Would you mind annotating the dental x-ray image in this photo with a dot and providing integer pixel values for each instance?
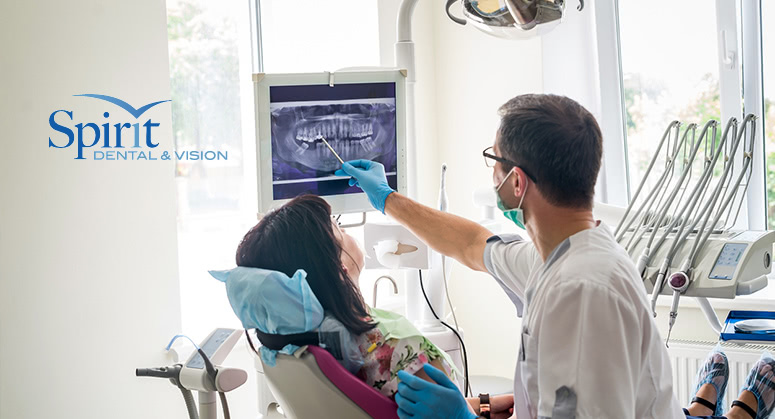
(357, 120)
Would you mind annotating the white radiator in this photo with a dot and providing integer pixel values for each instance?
(687, 356)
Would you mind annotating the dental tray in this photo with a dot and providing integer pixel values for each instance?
(729, 333)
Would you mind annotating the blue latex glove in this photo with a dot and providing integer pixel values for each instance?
(420, 399)
(369, 176)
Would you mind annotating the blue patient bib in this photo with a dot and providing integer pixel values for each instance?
(272, 302)
(276, 304)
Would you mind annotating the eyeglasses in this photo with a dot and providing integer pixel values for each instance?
(490, 158)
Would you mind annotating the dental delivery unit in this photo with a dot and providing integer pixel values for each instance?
(684, 235)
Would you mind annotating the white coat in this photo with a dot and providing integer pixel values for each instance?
(589, 344)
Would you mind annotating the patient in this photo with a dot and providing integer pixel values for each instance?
(756, 399)
(302, 235)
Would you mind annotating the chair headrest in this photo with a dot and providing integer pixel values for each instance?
(270, 301)
(277, 342)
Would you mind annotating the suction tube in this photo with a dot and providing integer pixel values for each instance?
(190, 404)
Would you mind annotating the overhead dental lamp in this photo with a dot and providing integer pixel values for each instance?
(511, 19)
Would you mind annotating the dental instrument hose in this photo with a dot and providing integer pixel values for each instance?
(173, 374)
(462, 344)
(190, 404)
(224, 405)
(444, 207)
(212, 373)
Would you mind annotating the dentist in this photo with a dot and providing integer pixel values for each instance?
(589, 344)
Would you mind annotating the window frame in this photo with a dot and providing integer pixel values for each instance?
(739, 39)
(753, 102)
(256, 40)
(615, 188)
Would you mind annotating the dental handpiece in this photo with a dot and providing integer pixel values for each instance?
(679, 282)
(443, 200)
(659, 283)
(673, 315)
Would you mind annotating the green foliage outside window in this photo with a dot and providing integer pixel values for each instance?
(204, 64)
(705, 107)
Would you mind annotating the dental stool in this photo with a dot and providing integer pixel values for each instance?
(312, 384)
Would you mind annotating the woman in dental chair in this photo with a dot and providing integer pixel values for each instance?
(303, 235)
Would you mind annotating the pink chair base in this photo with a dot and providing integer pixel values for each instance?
(374, 403)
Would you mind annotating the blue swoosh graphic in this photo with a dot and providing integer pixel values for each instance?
(127, 107)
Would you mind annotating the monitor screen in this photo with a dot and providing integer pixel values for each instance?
(358, 120)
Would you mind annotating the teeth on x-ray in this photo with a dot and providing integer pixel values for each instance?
(333, 130)
(368, 143)
(354, 131)
(302, 148)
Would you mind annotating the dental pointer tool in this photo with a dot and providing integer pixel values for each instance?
(331, 148)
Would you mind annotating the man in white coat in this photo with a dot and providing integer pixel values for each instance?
(589, 344)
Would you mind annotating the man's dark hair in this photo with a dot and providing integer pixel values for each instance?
(300, 235)
(558, 142)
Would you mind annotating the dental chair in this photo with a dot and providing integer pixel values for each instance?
(283, 312)
(312, 384)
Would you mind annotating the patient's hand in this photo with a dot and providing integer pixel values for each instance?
(501, 407)
(436, 363)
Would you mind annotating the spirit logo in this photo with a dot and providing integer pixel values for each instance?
(87, 135)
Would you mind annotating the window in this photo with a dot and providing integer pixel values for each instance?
(670, 72)
(206, 109)
(213, 52)
(702, 61)
(210, 70)
(768, 58)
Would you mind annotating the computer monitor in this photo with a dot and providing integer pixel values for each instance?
(359, 113)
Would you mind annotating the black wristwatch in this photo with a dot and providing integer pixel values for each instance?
(484, 405)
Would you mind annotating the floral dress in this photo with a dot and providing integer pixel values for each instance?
(384, 357)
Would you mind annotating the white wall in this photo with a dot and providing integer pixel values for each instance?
(88, 260)
(425, 101)
(423, 35)
(463, 76)
(474, 75)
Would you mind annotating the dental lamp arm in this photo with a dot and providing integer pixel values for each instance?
(454, 18)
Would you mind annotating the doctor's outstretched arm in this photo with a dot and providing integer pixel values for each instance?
(448, 234)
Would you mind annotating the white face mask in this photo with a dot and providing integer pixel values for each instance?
(516, 215)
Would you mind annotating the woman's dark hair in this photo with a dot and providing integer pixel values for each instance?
(300, 235)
